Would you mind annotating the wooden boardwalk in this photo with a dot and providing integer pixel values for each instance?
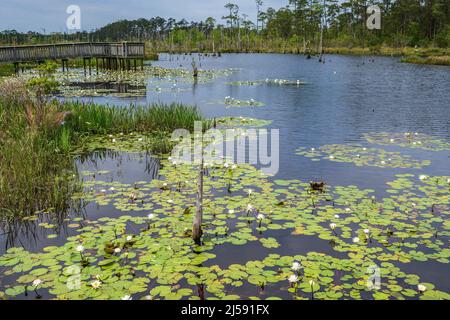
(112, 55)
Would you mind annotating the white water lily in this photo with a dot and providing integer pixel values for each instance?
(364, 149)
(423, 177)
(312, 283)
(336, 216)
(111, 189)
(448, 180)
(392, 140)
(383, 162)
(127, 297)
(333, 226)
(151, 216)
(117, 250)
(37, 282)
(366, 231)
(96, 284)
(348, 209)
(129, 238)
(313, 149)
(331, 157)
(293, 279)
(249, 191)
(421, 288)
(355, 239)
(226, 165)
(231, 211)
(170, 201)
(296, 266)
(260, 217)
(113, 140)
(80, 248)
(140, 139)
(249, 207)
(233, 166)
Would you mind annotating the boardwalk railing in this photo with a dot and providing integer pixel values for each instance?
(123, 50)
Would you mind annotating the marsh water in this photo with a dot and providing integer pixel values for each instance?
(341, 100)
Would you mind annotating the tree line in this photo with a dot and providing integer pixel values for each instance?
(301, 25)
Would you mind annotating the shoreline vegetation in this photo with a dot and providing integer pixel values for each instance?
(39, 138)
(418, 32)
(425, 56)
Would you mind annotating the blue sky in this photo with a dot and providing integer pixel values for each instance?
(36, 15)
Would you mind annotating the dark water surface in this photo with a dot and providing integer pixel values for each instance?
(341, 100)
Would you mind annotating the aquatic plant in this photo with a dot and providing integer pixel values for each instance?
(362, 156)
(408, 140)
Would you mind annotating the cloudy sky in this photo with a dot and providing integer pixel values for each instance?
(36, 15)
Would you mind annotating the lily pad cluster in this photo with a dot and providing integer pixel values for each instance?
(362, 156)
(233, 102)
(148, 253)
(408, 140)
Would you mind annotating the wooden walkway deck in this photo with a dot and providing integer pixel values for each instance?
(113, 55)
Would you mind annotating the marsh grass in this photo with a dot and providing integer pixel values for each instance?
(37, 170)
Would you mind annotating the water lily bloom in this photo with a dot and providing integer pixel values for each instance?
(331, 157)
(392, 140)
(117, 250)
(231, 211)
(313, 149)
(366, 231)
(249, 207)
(80, 248)
(140, 139)
(293, 279)
(355, 239)
(333, 226)
(421, 288)
(296, 266)
(448, 180)
(226, 165)
(249, 191)
(311, 283)
(423, 177)
(37, 282)
(348, 209)
(129, 238)
(151, 216)
(336, 216)
(113, 140)
(96, 284)
(233, 166)
(127, 297)
(260, 217)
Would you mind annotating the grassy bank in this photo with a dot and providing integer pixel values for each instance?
(37, 139)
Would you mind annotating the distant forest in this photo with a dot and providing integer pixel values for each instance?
(301, 25)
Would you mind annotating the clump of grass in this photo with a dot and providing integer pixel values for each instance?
(37, 171)
(101, 119)
(434, 60)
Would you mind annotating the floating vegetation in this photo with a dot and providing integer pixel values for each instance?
(148, 253)
(233, 102)
(362, 156)
(76, 83)
(283, 82)
(267, 81)
(245, 83)
(408, 140)
(234, 122)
